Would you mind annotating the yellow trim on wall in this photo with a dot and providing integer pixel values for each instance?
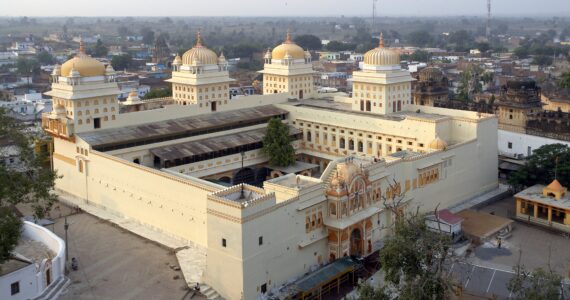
(64, 158)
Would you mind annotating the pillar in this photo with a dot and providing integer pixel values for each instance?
(518, 206)
(550, 215)
(535, 209)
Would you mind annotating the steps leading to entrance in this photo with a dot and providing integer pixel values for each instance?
(55, 289)
(209, 292)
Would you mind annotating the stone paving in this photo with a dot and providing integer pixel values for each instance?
(115, 263)
(537, 247)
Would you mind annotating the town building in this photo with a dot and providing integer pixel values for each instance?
(430, 88)
(36, 270)
(192, 167)
(547, 206)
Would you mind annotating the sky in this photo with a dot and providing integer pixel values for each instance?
(173, 8)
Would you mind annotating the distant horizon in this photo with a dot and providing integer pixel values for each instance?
(285, 8)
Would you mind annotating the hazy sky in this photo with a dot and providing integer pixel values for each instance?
(279, 7)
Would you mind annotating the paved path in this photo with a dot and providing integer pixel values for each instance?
(192, 258)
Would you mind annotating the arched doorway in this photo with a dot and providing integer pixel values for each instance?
(137, 161)
(356, 242)
(225, 179)
(301, 94)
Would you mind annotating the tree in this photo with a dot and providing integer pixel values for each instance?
(45, 58)
(537, 285)
(368, 292)
(542, 165)
(99, 50)
(27, 67)
(277, 144)
(121, 62)
(420, 55)
(420, 38)
(147, 36)
(340, 46)
(564, 81)
(159, 93)
(309, 42)
(413, 259)
(31, 186)
(521, 52)
(123, 31)
(542, 60)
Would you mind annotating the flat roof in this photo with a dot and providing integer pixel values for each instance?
(534, 193)
(12, 265)
(328, 103)
(177, 128)
(326, 274)
(481, 225)
(298, 166)
(208, 145)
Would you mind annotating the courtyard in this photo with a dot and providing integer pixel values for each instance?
(114, 263)
(537, 247)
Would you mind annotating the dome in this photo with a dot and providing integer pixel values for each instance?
(199, 54)
(438, 144)
(222, 59)
(84, 64)
(177, 60)
(431, 74)
(381, 56)
(56, 70)
(290, 47)
(267, 54)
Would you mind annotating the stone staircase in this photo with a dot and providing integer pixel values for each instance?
(54, 290)
(209, 292)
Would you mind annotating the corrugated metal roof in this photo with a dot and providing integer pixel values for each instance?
(177, 128)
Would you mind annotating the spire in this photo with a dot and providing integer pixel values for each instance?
(381, 40)
(288, 39)
(81, 46)
(198, 39)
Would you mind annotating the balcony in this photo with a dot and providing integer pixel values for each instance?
(57, 126)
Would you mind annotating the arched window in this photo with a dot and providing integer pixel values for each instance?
(350, 145)
(309, 136)
(341, 143)
(332, 209)
(360, 146)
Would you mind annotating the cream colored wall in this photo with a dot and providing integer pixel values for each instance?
(288, 84)
(174, 205)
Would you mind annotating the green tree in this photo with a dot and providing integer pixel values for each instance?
(277, 144)
(32, 186)
(147, 35)
(367, 292)
(45, 58)
(99, 50)
(27, 67)
(159, 93)
(564, 81)
(542, 165)
(121, 62)
(309, 42)
(420, 38)
(521, 52)
(542, 60)
(340, 46)
(413, 260)
(537, 285)
(420, 55)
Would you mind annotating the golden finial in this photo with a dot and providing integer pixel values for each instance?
(199, 38)
(381, 40)
(288, 39)
(81, 46)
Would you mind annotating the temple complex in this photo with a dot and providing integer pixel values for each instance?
(191, 165)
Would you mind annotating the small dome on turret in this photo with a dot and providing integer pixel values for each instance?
(222, 59)
(287, 56)
(74, 73)
(56, 70)
(109, 70)
(267, 54)
(177, 60)
(307, 54)
(438, 144)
